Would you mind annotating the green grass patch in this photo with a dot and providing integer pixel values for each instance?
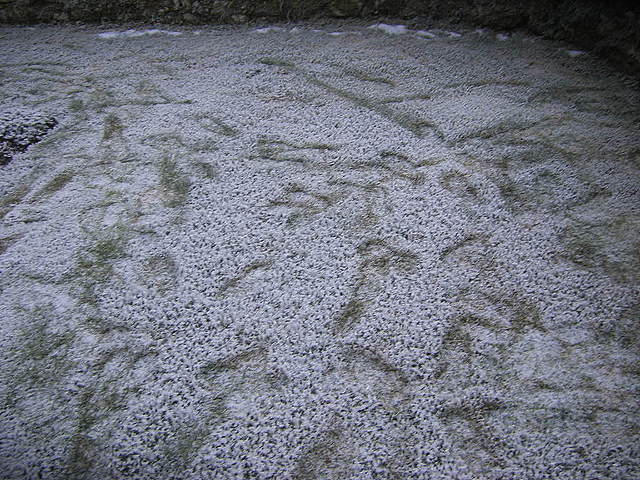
(9, 201)
(148, 95)
(42, 353)
(350, 315)
(283, 151)
(325, 458)
(406, 98)
(82, 447)
(244, 273)
(207, 170)
(57, 183)
(164, 141)
(466, 241)
(278, 62)
(458, 182)
(95, 263)
(101, 98)
(319, 146)
(233, 362)
(402, 168)
(38, 343)
(107, 249)
(408, 122)
(611, 248)
(41, 69)
(160, 271)
(526, 316)
(6, 242)
(112, 127)
(367, 77)
(76, 105)
(204, 145)
(380, 257)
(216, 125)
(100, 326)
(184, 445)
(175, 185)
(303, 203)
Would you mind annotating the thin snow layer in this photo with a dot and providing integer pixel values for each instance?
(575, 53)
(269, 30)
(425, 34)
(301, 30)
(361, 257)
(390, 29)
(136, 33)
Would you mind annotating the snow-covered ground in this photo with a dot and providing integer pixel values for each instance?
(318, 252)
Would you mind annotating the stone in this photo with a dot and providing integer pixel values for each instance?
(20, 129)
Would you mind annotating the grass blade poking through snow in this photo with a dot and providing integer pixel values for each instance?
(175, 185)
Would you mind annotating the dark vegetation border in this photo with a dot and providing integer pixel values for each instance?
(610, 29)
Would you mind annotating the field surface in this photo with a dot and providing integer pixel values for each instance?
(323, 251)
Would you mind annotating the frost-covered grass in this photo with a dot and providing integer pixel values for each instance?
(318, 251)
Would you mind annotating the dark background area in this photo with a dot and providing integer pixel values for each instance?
(608, 29)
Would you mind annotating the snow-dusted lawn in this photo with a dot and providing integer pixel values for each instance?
(318, 252)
